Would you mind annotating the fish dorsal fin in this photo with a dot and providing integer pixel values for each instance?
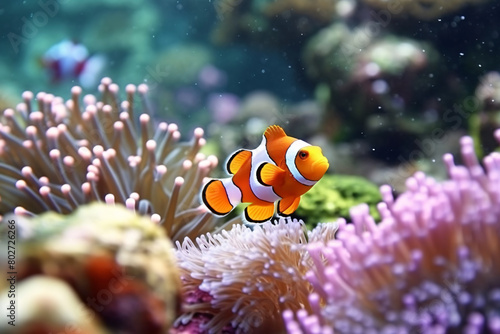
(274, 132)
(236, 160)
(269, 174)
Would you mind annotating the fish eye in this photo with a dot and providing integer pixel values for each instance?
(303, 155)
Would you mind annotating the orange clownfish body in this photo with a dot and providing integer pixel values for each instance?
(281, 169)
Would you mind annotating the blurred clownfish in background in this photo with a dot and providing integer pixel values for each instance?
(281, 169)
(68, 60)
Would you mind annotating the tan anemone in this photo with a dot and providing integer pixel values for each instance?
(246, 277)
(56, 155)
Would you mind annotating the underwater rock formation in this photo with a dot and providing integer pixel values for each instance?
(431, 265)
(372, 84)
(49, 305)
(487, 118)
(240, 280)
(121, 266)
(57, 155)
(299, 18)
(422, 9)
(275, 22)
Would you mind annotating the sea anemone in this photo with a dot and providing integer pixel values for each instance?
(430, 266)
(240, 280)
(57, 155)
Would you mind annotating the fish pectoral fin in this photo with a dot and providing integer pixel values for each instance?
(256, 213)
(215, 198)
(269, 174)
(288, 205)
(236, 160)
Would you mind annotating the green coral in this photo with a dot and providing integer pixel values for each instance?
(334, 195)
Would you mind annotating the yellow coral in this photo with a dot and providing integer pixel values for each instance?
(120, 265)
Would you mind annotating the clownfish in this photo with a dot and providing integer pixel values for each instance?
(68, 60)
(280, 169)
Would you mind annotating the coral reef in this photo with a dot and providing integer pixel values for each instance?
(240, 280)
(431, 265)
(372, 84)
(54, 156)
(487, 118)
(333, 197)
(422, 9)
(49, 305)
(120, 265)
(298, 17)
(275, 22)
(369, 67)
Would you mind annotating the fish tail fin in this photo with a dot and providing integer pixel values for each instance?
(220, 196)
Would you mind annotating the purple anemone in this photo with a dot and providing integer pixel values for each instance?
(431, 266)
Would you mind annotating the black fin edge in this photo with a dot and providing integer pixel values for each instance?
(228, 163)
(259, 178)
(204, 199)
(255, 221)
